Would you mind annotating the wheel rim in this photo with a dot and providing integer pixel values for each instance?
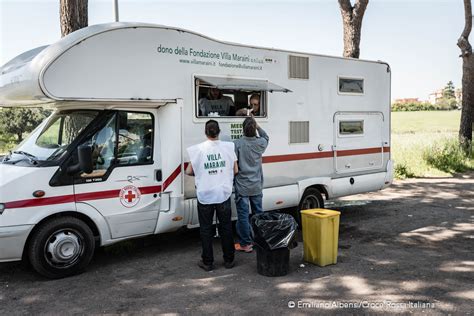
(310, 202)
(64, 248)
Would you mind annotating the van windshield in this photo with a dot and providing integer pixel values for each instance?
(50, 140)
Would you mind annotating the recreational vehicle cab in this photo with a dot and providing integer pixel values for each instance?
(108, 164)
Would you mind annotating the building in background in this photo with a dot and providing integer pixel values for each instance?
(407, 100)
(435, 97)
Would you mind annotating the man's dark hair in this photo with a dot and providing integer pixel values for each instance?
(250, 127)
(212, 129)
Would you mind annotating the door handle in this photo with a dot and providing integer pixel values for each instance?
(159, 175)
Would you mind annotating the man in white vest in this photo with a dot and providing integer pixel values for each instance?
(214, 164)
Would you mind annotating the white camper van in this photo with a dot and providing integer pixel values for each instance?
(108, 164)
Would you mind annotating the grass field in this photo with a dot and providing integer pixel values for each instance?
(426, 122)
(413, 133)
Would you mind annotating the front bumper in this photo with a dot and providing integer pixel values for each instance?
(12, 241)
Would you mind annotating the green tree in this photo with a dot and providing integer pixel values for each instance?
(448, 91)
(18, 121)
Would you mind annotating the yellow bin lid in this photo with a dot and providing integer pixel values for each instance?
(320, 212)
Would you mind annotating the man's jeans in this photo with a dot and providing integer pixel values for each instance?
(243, 226)
(206, 216)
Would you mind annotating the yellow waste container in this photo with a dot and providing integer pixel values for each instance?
(320, 236)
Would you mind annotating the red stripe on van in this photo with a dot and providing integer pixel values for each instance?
(324, 154)
(81, 197)
(171, 178)
(99, 195)
(365, 151)
(294, 157)
(41, 201)
(156, 189)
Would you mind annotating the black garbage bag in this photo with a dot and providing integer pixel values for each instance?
(273, 230)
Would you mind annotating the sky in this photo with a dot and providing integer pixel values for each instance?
(417, 38)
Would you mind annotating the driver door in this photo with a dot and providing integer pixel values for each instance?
(122, 185)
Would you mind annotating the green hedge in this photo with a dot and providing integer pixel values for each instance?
(443, 105)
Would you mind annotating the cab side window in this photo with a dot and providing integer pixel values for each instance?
(126, 139)
(135, 138)
(103, 149)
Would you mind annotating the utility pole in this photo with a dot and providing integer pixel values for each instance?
(116, 10)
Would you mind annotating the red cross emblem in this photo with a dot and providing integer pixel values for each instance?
(130, 196)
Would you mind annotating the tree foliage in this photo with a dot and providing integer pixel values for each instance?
(441, 105)
(448, 91)
(18, 121)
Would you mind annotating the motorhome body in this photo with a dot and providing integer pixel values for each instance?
(130, 92)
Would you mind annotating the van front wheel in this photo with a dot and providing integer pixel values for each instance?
(61, 247)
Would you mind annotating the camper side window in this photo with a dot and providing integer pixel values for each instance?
(214, 102)
(351, 85)
(351, 128)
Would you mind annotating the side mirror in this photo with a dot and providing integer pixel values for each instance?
(85, 164)
(84, 154)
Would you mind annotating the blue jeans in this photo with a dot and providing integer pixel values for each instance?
(243, 226)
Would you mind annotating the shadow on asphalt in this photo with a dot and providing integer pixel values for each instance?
(410, 243)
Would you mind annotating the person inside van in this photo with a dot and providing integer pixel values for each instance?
(253, 108)
(216, 104)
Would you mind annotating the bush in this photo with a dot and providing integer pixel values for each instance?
(442, 105)
(402, 171)
(448, 156)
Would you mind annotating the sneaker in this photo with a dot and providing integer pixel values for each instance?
(229, 264)
(247, 248)
(205, 267)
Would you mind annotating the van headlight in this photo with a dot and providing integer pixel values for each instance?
(2, 208)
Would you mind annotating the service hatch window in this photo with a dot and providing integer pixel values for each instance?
(216, 102)
(351, 85)
(351, 127)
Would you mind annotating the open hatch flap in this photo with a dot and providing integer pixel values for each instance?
(242, 84)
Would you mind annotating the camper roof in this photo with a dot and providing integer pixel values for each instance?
(97, 64)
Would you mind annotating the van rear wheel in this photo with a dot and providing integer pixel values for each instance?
(61, 247)
(311, 199)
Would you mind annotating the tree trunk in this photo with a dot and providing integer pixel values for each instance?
(20, 137)
(72, 15)
(352, 22)
(467, 114)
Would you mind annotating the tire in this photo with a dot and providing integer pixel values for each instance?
(61, 247)
(311, 199)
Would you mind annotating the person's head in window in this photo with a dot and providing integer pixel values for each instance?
(214, 94)
(216, 104)
(255, 104)
(249, 127)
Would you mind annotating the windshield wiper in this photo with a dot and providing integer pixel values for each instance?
(31, 158)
